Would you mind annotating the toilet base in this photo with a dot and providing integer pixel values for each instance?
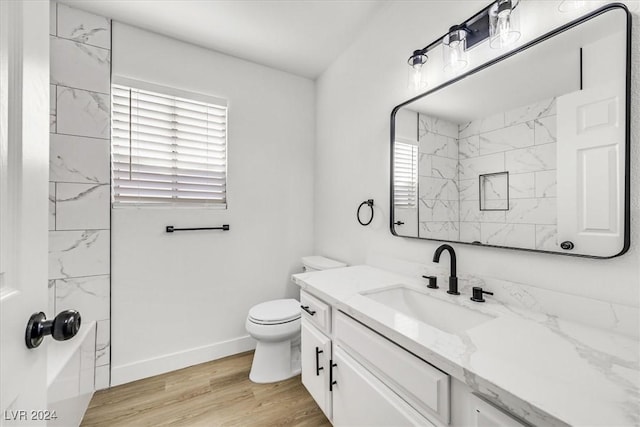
(272, 362)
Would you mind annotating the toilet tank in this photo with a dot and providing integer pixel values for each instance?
(317, 263)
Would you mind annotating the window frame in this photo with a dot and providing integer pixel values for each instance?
(416, 145)
(179, 93)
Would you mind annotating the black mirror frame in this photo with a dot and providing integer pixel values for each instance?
(550, 34)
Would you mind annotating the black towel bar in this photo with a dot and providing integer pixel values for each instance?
(171, 228)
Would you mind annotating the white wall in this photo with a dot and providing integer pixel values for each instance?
(355, 97)
(182, 298)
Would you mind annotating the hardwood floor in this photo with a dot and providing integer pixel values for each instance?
(216, 393)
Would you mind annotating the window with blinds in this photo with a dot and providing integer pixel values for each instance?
(167, 150)
(405, 175)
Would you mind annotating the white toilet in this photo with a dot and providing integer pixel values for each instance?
(275, 325)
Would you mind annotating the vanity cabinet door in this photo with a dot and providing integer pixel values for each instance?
(360, 399)
(315, 357)
(486, 415)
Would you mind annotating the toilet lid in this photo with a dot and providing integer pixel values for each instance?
(321, 263)
(276, 311)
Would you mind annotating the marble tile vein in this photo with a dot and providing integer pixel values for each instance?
(83, 113)
(82, 35)
(87, 239)
(74, 171)
(80, 66)
(83, 27)
(81, 195)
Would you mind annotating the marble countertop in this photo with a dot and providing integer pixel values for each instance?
(543, 369)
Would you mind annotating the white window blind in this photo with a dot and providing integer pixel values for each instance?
(167, 150)
(405, 175)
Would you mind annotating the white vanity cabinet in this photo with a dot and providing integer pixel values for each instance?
(359, 377)
(334, 373)
(424, 389)
(315, 347)
(361, 399)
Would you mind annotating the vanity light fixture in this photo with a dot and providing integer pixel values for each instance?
(417, 77)
(571, 5)
(455, 49)
(504, 26)
(496, 22)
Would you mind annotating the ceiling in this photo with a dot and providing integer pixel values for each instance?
(298, 36)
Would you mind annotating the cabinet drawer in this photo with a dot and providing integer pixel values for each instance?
(318, 312)
(360, 399)
(423, 386)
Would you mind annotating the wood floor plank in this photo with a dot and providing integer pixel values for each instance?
(217, 393)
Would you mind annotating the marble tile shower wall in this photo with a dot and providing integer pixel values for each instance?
(438, 212)
(523, 142)
(79, 189)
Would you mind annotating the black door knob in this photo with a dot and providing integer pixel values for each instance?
(63, 327)
(567, 245)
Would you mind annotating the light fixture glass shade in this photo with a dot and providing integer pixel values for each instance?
(504, 24)
(417, 79)
(454, 50)
(571, 5)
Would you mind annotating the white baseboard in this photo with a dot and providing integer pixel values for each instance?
(170, 362)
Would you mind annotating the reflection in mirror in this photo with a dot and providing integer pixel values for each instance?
(528, 153)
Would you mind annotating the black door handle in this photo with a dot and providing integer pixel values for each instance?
(331, 381)
(306, 308)
(318, 367)
(63, 327)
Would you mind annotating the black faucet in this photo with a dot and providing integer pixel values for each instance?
(453, 279)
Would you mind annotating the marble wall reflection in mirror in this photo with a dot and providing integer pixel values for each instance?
(528, 153)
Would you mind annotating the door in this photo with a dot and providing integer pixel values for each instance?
(591, 172)
(361, 399)
(24, 170)
(315, 357)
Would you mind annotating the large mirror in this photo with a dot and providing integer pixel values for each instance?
(528, 152)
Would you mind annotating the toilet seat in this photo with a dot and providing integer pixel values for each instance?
(275, 312)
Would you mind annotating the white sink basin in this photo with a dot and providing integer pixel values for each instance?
(446, 316)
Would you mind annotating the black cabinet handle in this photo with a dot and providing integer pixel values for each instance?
(306, 308)
(63, 327)
(331, 381)
(318, 367)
